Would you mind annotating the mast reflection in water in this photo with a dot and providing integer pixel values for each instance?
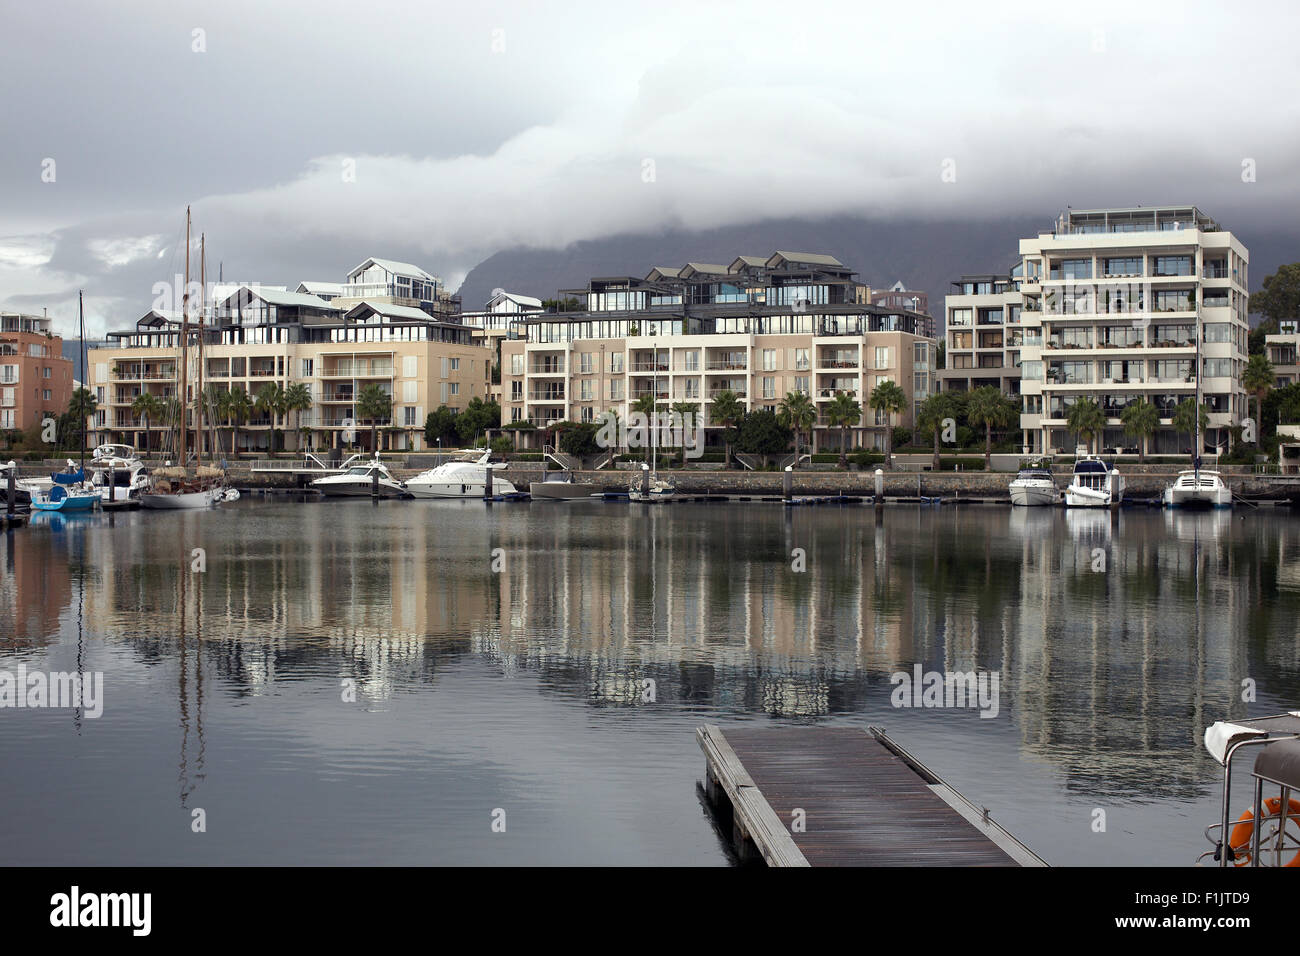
(350, 682)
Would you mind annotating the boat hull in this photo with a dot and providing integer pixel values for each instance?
(1076, 497)
(1198, 498)
(559, 490)
(457, 489)
(186, 501)
(70, 503)
(359, 489)
(1030, 496)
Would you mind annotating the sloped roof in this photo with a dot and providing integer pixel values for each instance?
(663, 272)
(740, 262)
(317, 288)
(392, 265)
(707, 268)
(525, 300)
(811, 258)
(281, 297)
(407, 312)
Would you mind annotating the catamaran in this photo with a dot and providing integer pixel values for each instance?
(1197, 487)
(1095, 484)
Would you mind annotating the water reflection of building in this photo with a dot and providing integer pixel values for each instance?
(35, 587)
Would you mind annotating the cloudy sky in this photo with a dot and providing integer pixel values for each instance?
(310, 136)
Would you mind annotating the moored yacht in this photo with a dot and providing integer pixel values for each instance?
(460, 479)
(359, 481)
(563, 488)
(1198, 489)
(117, 473)
(1033, 485)
(1095, 484)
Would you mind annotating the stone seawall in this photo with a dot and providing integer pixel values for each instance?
(1146, 483)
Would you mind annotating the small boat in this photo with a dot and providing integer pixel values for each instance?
(460, 479)
(660, 490)
(24, 488)
(358, 481)
(1267, 833)
(117, 473)
(1095, 484)
(69, 492)
(1033, 485)
(1198, 489)
(559, 489)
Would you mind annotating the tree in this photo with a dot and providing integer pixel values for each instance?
(889, 398)
(477, 417)
(440, 429)
(297, 398)
(1277, 299)
(235, 406)
(1184, 420)
(844, 413)
(990, 408)
(81, 408)
(271, 401)
(1257, 380)
(373, 405)
(727, 410)
(148, 407)
(798, 413)
(1086, 418)
(577, 438)
(1141, 419)
(934, 411)
(761, 433)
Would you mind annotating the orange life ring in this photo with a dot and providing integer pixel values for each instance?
(1245, 828)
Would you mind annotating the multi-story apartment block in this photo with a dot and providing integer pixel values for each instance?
(759, 327)
(35, 378)
(983, 334)
(389, 282)
(257, 336)
(1119, 304)
(899, 296)
(492, 325)
(1282, 349)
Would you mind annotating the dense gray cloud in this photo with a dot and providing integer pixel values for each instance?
(310, 136)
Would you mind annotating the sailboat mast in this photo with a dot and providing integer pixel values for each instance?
(81, 320)
(203, 288)
(185, 352)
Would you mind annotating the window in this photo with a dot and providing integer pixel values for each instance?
(691, 361)
(45, 394)
(516, 391)
(586, 363)
(1218, 368)
(616, 390)
(1123, 266)
(801, 383)
(1031, 371)
(1072, 269)
(585, 393)
(8, 374)
(306, 368)
(408, 415)
(961, 316)
(884, 356)
(769, 386)
(990, 316)
(1219, 332)
(769, 360)
(1173, 266)
(455, 365)
(616, 361)
(517, 363)
(920, 384)
(45, 372)
(921, 356)
(455, 388)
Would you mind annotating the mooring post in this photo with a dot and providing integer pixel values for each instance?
(374, 482)
(487, 481)
(880, 488)
(11, 489)
(787, 482)
(645, 480)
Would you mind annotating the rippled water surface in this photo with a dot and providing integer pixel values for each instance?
(522, 689)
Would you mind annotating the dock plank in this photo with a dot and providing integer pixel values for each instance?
(865, 801)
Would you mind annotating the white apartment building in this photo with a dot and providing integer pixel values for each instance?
(1128, 304)
(983, 334)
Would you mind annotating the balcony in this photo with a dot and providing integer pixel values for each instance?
(740, 393)
(358, 370)
(547, 396)
(728, 365)
(650, 367)
(546, 368)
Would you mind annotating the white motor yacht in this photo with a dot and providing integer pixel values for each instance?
(117, 473)
(563, 488)
(1033, 486)
(460, 479)
(358, 481)
(1095, 484)
(1198, 489)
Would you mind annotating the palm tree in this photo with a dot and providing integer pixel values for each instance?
(726, 410)
(234, 406)
(297, 398)
(82, 407)
(1257, 379)
(798, 413)
(844, 412)
(889, 398)
(1086, 418)
(148, 406)
(934, 410)
(990, 408)
(270, 400)
(373, 403)
(1184, 421)
(1141, 419)
(687, 411)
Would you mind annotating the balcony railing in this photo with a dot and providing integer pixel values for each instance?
(738, 392)
(727, 365)
(650, 367)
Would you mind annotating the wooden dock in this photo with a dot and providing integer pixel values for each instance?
(865, 802)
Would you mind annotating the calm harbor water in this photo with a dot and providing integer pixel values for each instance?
(522, 689)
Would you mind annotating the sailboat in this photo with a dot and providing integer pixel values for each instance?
(173, 487)
(70, 491)
(655, 489)
(1198, 487)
